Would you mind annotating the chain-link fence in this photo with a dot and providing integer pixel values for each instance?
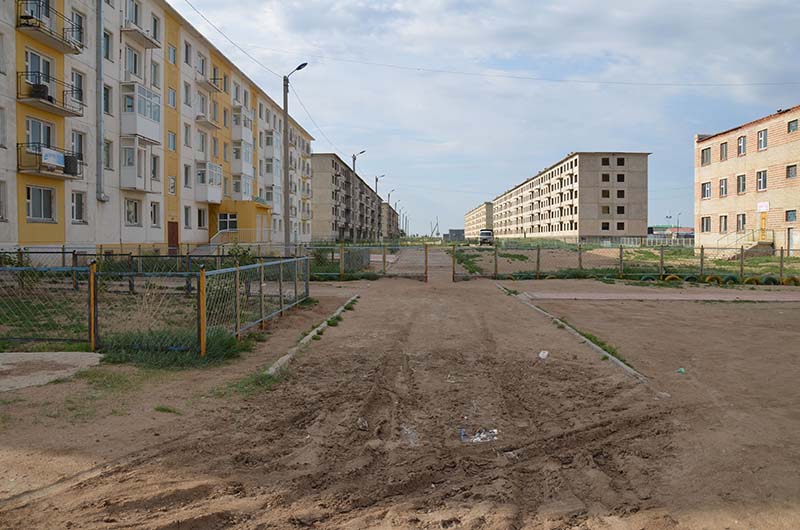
(348, 262)
(755, 265)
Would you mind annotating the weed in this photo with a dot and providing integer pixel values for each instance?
(249, 385)
(167, 410)
(513, 257)
(308, 302)
(107, 381)
(511, 292)
(604, 358)
(258, 336)
(316, 337)
(611, 350)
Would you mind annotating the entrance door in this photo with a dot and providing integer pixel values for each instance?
(763, 235)
(172, 237)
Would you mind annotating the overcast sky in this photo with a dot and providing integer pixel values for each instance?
(448, 142)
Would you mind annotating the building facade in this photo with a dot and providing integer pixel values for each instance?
(746, 186)
(345, 207)
(390, 222)
(477, 219)
(584, 195)
(190, 149)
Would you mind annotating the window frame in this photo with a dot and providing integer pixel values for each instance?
(761, 184)
(82, 206)
(137, 211)
(29, 204)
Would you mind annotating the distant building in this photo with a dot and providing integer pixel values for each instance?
(456, 234)
(390, 222)
(673, 232)
(477, 219)
(746, 186)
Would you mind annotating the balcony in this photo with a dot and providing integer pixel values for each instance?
(38, 19)
(204, 120)
(242, 125)
(242, 160)
(202, 155)
(45, 92)
(306, 215)
(141, 113)
(209, 183)
(242, 188)
(47, 161)
(206, 82)
(139, 35)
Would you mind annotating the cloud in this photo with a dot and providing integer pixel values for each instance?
(467, 133)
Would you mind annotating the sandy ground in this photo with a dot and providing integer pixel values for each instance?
(373, 426)
(20, 370)
(550, 260)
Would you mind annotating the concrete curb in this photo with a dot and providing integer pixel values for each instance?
(284, 360)
(522, 298)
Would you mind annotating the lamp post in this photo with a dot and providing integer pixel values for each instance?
(380, 208)
(287, 201)
(356, 156)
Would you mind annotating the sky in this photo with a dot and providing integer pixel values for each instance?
(440, 92)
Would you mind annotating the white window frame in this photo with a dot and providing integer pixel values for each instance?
(133, 216)
(705, 224)
(155, 214)
(761, 180)
(763, 139)
(202, 219)
(78, 206)
(705, 190)
(3, 201)
(29, 203)
(723, 187)
(187, 217)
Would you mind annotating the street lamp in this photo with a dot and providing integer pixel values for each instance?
(356, 156)
(389, 197)
(380, 208)
(287, 201)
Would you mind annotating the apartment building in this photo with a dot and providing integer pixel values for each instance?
(583, 195)
(390, 222)
(345, 207)
(477, 219)
(190, 147)
(746, 185)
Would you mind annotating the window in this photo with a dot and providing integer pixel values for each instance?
(155, 214)
(155, 74)
(155, 28)
(605, 162)
(128, 104)
(225, 117)
(741, 183)
(761, 180)
(187, 176)
(202, 218)
(2, 127)
(187, 94)
(605, 226)
(215, 146)
(705, 156)
(132, 11)
(723, 187)
(762, 139)
(705, 224)
(3, 199)
(723, 151)
(78, 207)
(227, 221)
(201, 64)
(172, 185)
(2, 54)
(187, 135)
(172, 141)
(187, 53)
(128, 157)
(620, 210)
(606, 210)
(107, 103)
(78, 143)
(621, 226)
(605, 194)
(741, 146)
(78, 81)
(620, 161)
(791, 216)
(108, 154)
(132, 62)
(155, 168)
(620, 194)
(172, 98)
(225, 155)
(705, 190)
(620, 177)
(225, 81)
(133, 211)
(107, 46)
(723, 224)
(606, 177)
(172, 54)
(38, 134)
(39, 203)
(791, 126)
(78, 27)
(187, 217)
(741, 222)
(791, 171)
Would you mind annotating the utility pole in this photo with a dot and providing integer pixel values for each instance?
(287, 201)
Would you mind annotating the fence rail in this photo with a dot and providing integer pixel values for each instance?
(157, 312)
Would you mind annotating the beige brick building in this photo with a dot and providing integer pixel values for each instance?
(746, 185)
(390, 222)
(477, 219)
(345, 208)
(584, 195)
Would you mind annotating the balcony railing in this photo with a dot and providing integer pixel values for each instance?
(139, 35)
(48, 26)
(48, 93)
(42, 159)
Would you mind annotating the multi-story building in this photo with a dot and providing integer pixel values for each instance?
(345, 208)
(583, 195)
(477, 219)
(190, 145)
(390, 222)
(746, 186)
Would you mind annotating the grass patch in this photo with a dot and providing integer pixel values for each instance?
(468, 261)
(316, 337)
(308, 302)
(511, 292)
(107, 381)
(167, 410)
(257, 382)
(334, 321)
(603, 345)
(513, 257)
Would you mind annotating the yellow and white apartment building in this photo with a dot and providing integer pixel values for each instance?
(598, 195)
(191, 147)
(747, 190)
(477, 219)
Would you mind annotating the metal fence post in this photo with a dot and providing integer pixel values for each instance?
(131, 286)
(201, 311)
(621, 265)
(495, 261)
(63, 255)
(741, 264)
(219, 258)
(237, 301)
(296, 271)
(261, 292)
(19, 257)
(702, 261)
(280, 284)
(92, 305)
(384, 258)
(781, 269)
(661, 262)
(308, 277)
(341, 262)
(426, 262)
(580, 257)
(74, 272)
(538, 262)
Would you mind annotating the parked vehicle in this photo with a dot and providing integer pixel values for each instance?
(486, 237)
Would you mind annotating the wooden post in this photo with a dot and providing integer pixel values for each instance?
(237, 300)
(92, 305)
(341, 262)
(131, 286)
(201, 311)
(63, 255)
(384, 258)
(453, 258)
(780, 277)
(495, 261)
(621, 265)
(426, 262)
(580, 257)
(219, 258)
(661, 262)
(741, 264)
(702, 261)
(139, 261)
(538, 262)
